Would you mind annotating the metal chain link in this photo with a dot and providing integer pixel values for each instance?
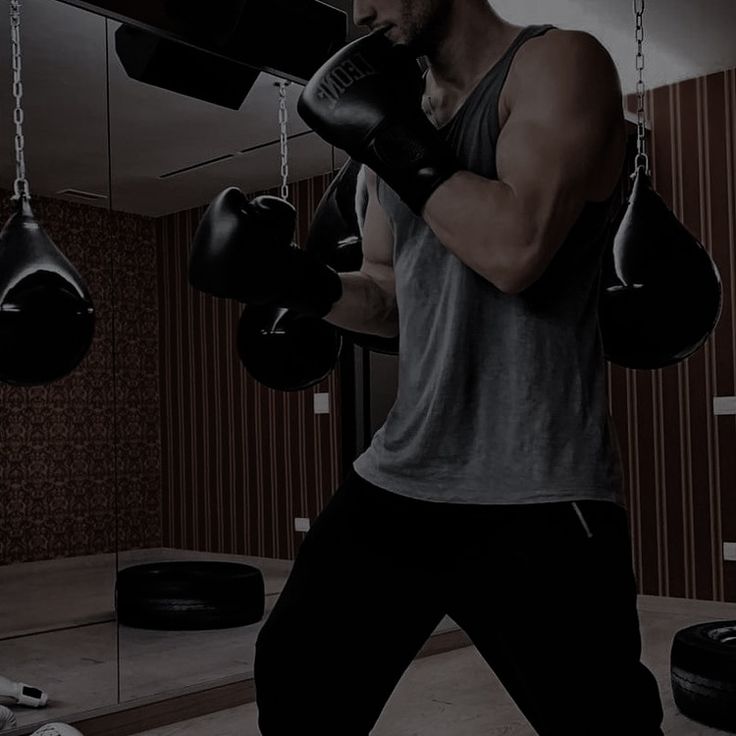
(21, 187)
(283, 121)
(642, 160)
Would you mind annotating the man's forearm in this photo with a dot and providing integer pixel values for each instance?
(364, 307)
(479, 220)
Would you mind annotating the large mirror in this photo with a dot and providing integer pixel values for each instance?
(159, 448)
(59, 522)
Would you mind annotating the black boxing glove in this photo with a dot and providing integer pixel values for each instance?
(366, 100)
(243, 250)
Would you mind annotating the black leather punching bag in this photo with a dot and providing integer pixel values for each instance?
(47, 319)
(661, 292)
(284, 350)
(335, 238)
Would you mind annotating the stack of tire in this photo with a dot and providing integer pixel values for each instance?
(189, 595)
(703, 673)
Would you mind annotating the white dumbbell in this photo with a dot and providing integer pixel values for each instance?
(23, 694)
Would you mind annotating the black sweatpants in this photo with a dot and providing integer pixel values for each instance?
(549, 604)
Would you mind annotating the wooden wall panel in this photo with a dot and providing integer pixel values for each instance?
(679, 456)
(240, 461)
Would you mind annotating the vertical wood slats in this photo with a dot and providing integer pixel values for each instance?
(240, 461)
(679, 457)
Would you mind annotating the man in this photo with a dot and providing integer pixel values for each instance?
(493, 492)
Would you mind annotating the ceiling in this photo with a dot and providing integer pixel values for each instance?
(155, 133)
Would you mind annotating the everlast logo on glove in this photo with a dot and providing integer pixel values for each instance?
(342, 77)
(366, 100)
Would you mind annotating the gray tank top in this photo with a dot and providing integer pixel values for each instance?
(502, 399)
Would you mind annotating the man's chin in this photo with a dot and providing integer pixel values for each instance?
(396, 37)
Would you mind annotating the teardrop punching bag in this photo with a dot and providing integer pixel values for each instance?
(335, 237)
(46, 315)
(661, 293)
(284, 350)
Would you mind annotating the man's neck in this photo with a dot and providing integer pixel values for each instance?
(476, 38)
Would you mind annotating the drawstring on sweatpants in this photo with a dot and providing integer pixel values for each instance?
(582, 520)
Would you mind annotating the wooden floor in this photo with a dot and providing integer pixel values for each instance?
(455, 693)
(57, 632)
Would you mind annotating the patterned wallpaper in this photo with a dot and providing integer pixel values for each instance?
(80, 469)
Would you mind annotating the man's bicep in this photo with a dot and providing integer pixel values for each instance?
(557, 138)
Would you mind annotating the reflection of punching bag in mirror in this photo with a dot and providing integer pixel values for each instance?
(46, 314)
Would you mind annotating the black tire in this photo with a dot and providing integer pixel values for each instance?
(189, 596)
(703, 673)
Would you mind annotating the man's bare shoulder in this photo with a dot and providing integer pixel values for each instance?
(560, 47)
(565, 56)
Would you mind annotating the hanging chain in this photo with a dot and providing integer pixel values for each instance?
(22, 190)
(283, 121)
(642, 160)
